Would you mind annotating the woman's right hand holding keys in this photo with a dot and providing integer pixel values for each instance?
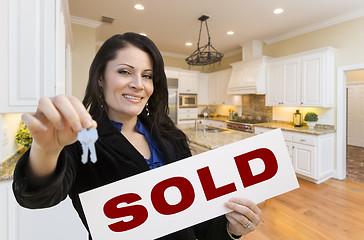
(54, 125)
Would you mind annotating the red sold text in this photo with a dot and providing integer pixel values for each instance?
(140, 213)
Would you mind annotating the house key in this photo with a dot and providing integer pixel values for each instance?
(87, 139)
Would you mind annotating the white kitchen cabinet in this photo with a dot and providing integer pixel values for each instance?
(303, 159)
(318, 79)
(187, 82)
(312, 155)
(218, 86)
(35, 45)
(172, 73)
(203, 89)
(57, 223)
(284, 78)
(274, 96)
(187, 113)
(213, 80)
(304, 79)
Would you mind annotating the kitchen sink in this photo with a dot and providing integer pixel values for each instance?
(212, 130)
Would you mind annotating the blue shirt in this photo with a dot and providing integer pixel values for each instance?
(156, 158)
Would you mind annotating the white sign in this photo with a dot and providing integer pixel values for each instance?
(190, 191)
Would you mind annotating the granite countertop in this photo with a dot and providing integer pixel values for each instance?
(216, 118)
(319, 129)
(7, 167)
(217, 139)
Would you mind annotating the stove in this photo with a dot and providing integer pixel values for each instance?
(245, 125)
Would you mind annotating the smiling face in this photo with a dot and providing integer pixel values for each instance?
(127, 83)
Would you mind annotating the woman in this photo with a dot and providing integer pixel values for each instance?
(127, 96)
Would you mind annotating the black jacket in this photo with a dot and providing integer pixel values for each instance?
(117, 159)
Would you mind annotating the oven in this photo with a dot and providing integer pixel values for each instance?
(187, 100)
(245, 125)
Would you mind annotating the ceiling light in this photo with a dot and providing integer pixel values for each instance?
(206, 54)
(230, 33)
(139, 7)
(278, 11)
(188, 44)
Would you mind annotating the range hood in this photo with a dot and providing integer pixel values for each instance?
(248, 76)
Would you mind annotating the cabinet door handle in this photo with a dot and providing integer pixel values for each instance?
(302, 140)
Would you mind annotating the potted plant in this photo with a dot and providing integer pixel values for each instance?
(311, 119)
(236, 115)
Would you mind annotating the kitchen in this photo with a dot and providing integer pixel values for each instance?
(345, 36)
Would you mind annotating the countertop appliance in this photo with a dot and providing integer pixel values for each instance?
(245, 125)
(187, 100)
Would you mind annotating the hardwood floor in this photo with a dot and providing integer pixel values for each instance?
(332, 210)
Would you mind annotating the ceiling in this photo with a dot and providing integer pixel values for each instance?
(172, 23)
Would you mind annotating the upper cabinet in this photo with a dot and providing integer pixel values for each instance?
(35, 47)
(284, 78)
(211, 88)
(218, 89)
(305, 79)
(203, 89)
(187, 82)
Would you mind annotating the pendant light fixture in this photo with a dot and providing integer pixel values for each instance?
(206, 54)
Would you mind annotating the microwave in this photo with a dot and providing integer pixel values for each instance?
(187, 100)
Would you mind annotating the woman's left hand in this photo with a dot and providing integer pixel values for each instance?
(245, 216)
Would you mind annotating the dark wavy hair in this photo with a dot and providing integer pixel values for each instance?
(158, 121)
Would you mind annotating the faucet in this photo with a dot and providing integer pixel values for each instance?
(203, 127)
(196, 123)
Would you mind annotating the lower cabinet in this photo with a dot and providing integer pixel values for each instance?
(187, 115)
(57, 223)
(312, 155)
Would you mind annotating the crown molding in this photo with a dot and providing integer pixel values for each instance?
(320, 25)
(85, 22)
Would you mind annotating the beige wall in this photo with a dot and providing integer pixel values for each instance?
(347, 37)
(355, 76)
(83, 52)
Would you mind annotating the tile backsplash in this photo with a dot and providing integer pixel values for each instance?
(254, 105)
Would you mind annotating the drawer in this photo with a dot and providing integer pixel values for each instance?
(187, 116)
(187, 111)
(304, 139)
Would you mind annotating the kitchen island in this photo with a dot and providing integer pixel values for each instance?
(212, 140)
(7, 167)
